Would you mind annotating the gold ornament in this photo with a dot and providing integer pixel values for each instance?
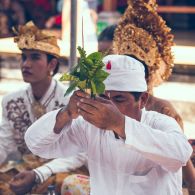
(142, 33)
(30, 37)
(38, 109)
(151, 3)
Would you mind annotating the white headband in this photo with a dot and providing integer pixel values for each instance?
(126, 74)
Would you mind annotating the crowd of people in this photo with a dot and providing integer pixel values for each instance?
(44, 13)
(129, 141)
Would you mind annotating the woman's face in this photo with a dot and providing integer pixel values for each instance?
(105, 46)
(35, 66)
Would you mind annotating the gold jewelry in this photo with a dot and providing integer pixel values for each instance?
(143, 34)
(29, 36)
(39, 109)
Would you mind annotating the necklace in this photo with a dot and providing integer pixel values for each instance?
(39, 109)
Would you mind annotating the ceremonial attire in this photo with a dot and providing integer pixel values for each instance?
(148, 161)
(18, 113)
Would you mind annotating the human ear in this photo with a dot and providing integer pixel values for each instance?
(52, 64)
(143, 99)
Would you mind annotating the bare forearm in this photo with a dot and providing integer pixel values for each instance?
(62, 118)
(120, 129)
(189, 173)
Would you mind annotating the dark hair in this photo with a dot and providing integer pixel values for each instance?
(136, 95)
(108, 33)
(49, 58)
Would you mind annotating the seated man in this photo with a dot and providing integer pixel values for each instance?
(21, 108)
(125, 144)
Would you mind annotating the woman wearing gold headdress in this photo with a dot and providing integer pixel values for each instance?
(142, 33)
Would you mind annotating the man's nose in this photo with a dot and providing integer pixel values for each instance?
(26, 63)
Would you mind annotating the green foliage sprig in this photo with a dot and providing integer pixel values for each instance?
(87, 74)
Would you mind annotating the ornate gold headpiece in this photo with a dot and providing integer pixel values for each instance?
(30, 37)
(142, 33)
(151, 3)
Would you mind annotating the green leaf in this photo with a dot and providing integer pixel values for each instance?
(93, 87)
(82, 52)
(95, 56)
(75, 74)
(100, 75)
(71, 88)
(68, 77)
(87, 73)
(100, 87)
(82, 84)
(83, 74)
(89, 63)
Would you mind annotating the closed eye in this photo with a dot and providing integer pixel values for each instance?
(104, 96)
(119, 98)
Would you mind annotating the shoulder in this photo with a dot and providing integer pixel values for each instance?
(61, 85)
(14, 95)
(61, 88)
(160, 121)
(165, 107)
(59, 98)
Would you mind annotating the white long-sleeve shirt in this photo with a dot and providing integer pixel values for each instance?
(61, 165)
(148, 161)
(17, 116)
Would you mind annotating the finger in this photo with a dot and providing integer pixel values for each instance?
(102, 100)
(88, 117)
(90, 102)
(16, 188)
(82, 94)
(16, 183)
(19, 176)
(91, 119)
(86, 107)
(94, 103)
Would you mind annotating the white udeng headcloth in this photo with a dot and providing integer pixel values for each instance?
(126, 74)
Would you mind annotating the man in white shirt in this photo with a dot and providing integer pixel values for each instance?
(40, 54)
(130, 150)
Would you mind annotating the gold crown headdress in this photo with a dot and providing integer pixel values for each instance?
(142, 33)
(29, 36)
(151, 3)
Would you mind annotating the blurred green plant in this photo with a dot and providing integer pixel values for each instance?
(87, 74)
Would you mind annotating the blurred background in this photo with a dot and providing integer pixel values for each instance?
(52, 15)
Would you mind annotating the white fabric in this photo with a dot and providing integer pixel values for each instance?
(148, 162)
(61, 165)
(17, 116)
(129, 71)
(16, 108)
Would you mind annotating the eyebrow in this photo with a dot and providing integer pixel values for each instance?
(104, 96)
(118, 96)
(35, 54)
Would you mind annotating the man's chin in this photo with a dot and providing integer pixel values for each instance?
(26, 80)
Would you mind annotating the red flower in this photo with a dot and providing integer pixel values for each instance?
(108, 65)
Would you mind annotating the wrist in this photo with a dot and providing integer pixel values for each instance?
(37, 179)
(63, 117)
(120, 128)
(65, 113)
